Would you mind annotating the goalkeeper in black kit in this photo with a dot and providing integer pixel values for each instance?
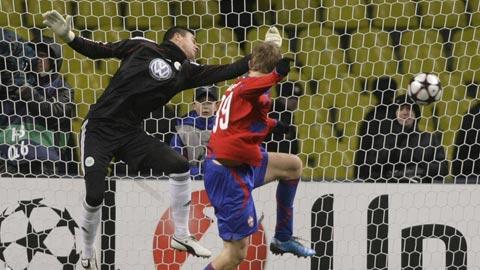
(150, 74)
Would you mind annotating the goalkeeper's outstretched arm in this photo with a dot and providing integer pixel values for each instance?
(197, 75)
(62, 27)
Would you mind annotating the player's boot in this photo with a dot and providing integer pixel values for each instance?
(190, 245)
(90, 263)
(290, 246)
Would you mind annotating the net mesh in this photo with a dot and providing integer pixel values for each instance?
(341, 50)
(352, 58)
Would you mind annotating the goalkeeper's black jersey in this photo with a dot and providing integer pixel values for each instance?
(150, 74)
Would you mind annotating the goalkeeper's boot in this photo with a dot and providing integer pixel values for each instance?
(89, 263)
(290, 246)
(190, 245)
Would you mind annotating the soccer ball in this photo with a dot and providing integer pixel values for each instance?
(36, 236)
(425, 88)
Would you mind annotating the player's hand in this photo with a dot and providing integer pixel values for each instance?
(283, 66)
(60, 26)
(273, 35)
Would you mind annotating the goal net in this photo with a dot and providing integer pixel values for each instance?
(366, 167)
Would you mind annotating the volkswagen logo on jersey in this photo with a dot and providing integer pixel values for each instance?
(160, 70)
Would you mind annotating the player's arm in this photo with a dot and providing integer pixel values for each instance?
(96, 50)
(253, 87)
(198, 75)
(194, 75)
(92, 49)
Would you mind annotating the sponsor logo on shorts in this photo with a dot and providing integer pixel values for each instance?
(250, 221)
(89, 161)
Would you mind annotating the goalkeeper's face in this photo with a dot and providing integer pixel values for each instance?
(187, 44)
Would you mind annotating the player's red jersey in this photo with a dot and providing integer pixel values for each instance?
(241, 122)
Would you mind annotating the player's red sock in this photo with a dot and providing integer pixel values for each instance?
(285, 195)
(209, 267)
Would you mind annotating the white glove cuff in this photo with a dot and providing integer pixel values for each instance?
(69, 37)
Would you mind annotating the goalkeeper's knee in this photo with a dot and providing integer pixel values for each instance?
(95, 188)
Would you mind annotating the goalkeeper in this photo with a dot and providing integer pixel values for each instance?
(149, 76)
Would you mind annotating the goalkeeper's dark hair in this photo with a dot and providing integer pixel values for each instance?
(265, 56)
(174, 30)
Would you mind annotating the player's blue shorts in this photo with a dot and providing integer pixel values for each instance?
(230, 192)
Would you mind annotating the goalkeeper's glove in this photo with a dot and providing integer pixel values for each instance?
(283, 66)
(273, 35)
(60, 26)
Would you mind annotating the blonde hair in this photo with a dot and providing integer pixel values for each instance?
(265, 56)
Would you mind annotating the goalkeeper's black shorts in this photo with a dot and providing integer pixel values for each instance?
(100, 141)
